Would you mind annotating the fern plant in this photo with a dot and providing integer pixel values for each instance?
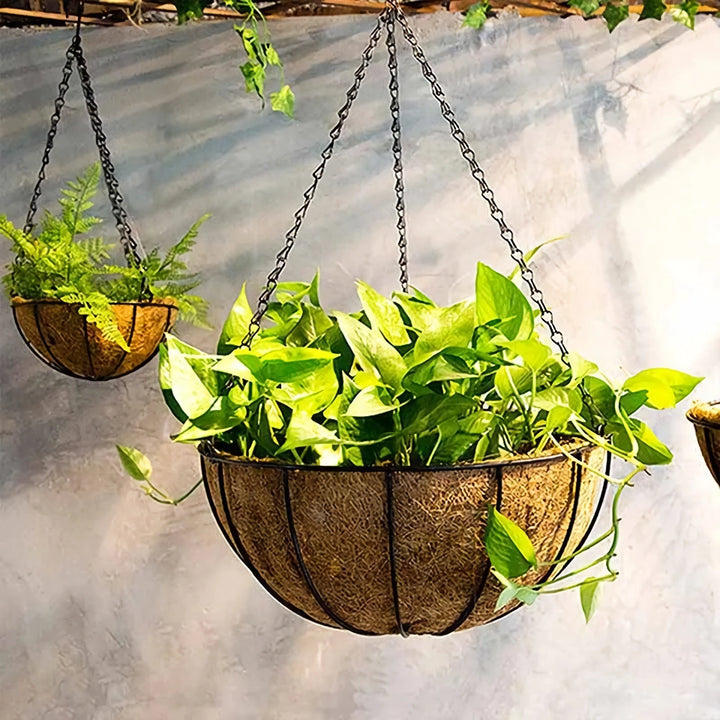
(61, 262)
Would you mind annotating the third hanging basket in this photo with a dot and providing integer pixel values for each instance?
(706, 419)
(394, 550)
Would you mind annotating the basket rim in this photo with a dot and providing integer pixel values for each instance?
(208, 450)
(705, 413)
(165, 302)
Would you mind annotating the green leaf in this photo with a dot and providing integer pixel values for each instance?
(312, 324)
(685, 13)
(271, 56)
(589, 595)
(190, 9)
(631, 402)
(602, 396)
(441, 367)
(580, 368)
(508, 547)
(533, 352)
(372, 352)
(237, 323)
(283, 101)
(311, 394)
(665, 387)
(254, 75)
(373, 400)
(615, 14)
(136, 465)
(587, 7)
(291, 364)
(429, 411)
(223, 415)
(303, 431)
(653, 9)
(513, 591)
(497, 298)
(558, 397)
(651, 451)
(383, 314)
(512, 378)
(188, 389)
(446, 327)
(476, 15)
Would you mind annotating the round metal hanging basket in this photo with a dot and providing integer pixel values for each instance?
(388, 550)
(705, 416)
(68, 343)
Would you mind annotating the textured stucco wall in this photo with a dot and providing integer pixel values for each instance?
(112, 607)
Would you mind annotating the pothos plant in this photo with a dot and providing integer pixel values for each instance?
(613, 12)
(408, 382)
(257, 44)
(60, 262)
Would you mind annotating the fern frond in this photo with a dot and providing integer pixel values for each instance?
(185, 244)
(97, 309)
(193, 309)
(96, 249)
(76, 200)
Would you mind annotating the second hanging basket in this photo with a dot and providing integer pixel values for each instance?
(61, 337)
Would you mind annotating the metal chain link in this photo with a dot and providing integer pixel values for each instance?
(397, 144)
(326, 154)
(488, 195)
(52, 132)
(526, 272)
(134, 252)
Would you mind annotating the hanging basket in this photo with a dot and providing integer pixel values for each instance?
(706, 419)
(393, 550)
(67, 342)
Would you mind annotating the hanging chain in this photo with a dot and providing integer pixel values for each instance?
(526, 272)
(488, 195)
(52, 132)
(397, 144)
(134, 252)
(326, 154)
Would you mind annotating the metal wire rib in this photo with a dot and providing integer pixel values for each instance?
(402, 629)
(484, 574)
(291, 235)
(304, 571)
(234, 540)
(397, 146)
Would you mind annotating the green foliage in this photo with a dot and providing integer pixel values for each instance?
(57, 263)
(476, 15)
(685, 13)
(653, 9)
(408, 382)
(508, 547)
(257, 44)
(613, 12)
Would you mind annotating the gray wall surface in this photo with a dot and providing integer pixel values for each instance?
(115, 608)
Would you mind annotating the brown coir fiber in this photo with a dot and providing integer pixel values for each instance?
(63, 338)
(340, 517)
(706, 419)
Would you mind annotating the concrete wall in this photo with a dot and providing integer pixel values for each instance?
(112, 607)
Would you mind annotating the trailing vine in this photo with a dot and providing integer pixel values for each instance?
(256, 41)
(613, 12)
